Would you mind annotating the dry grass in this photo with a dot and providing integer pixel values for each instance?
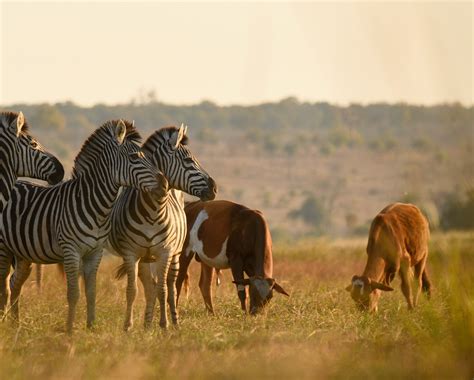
(316, 333)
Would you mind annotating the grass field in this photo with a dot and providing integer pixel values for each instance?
(316, 333)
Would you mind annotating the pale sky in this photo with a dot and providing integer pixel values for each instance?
(236, 53)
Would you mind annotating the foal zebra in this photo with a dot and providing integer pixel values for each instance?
(22, 155)
(69, 222)
(151, 227)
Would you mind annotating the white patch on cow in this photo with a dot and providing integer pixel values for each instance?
(220, 261)
(263, 288)
(359, 283)
(196, 245)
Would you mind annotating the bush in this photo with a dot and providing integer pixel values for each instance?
(313, 212)
(457, 211)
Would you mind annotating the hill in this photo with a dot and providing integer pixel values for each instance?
(312, 168)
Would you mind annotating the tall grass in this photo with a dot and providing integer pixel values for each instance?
(316, 333)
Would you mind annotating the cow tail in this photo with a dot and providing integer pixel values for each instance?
(260, 248)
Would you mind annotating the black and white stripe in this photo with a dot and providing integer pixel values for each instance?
(148, 229)
(22, 155)
(69, 222)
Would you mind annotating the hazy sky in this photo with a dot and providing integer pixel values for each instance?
(236, 52)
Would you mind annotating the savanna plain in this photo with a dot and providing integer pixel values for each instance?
(315, 333)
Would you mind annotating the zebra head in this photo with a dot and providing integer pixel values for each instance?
(133, 168)
(24, 153)
(167, 149)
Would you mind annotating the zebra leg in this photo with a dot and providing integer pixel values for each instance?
(131, 268)
(163, 265)
(90, 266)
(5, 264)
(149, 285)
(22, 272)
(71, 267)
(171, 283)
(39, 276)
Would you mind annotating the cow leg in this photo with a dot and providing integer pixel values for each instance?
(149, 286)
(405, 277)
(237, 268)
(21, 274)
(171, 283)
(426, 283)
(419, 270)
(131, 268)
(183, 275)
(205, 285)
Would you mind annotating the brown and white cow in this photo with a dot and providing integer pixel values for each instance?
(222, 235)
(398, 240)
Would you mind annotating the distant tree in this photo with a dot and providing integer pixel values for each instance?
(351, 220)
(270, 143)
(49, 117)
(312, 212)
(457, 211)
(206, 134)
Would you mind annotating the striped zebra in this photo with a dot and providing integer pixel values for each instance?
(150, 228)
(22, 155)
(69, 222)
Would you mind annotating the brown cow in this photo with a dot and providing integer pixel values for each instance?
(224, 235)
(398, 240)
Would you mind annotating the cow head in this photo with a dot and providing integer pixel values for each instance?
(366, 292)
(260, 291)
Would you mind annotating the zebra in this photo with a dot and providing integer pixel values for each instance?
(68, 223)
(150, 228)
(22, 155)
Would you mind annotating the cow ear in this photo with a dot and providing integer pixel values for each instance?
(378, 285)
(349, 288)
(245, 282)
(18, 124)
(278, 288)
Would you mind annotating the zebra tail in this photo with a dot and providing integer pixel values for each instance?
(121, 272)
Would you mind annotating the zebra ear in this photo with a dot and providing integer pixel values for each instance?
(18, 124)
(176, 137)
(120, 131)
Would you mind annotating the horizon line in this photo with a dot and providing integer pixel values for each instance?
(295, 99)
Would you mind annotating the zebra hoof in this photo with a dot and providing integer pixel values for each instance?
(147, 325)
(91, 326)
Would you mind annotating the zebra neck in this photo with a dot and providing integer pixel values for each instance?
(98, 190)
(7, 180)
(153, 203)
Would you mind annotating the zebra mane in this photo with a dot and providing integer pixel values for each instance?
(7, 117)
(158, 137)
(95, 144)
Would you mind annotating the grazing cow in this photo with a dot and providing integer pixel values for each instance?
(398, 240)
(224, 235)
